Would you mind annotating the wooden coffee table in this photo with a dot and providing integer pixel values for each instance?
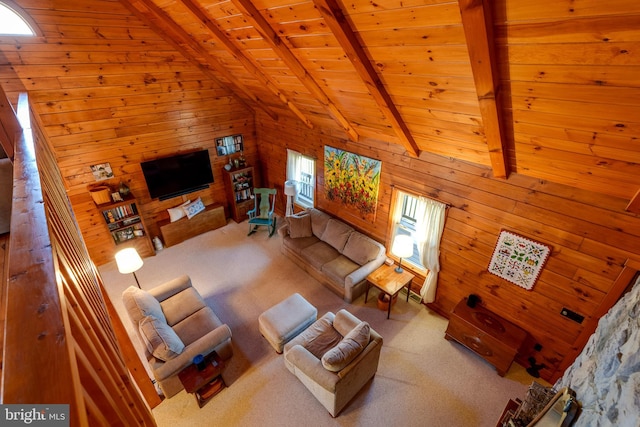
(206, 383)
(390, 282)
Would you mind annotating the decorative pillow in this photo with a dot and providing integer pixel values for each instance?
(177, 212)
(348, 349)
(300, 225)
(361, 249)
(161, 340)
(336, 234)
(140, 303)
(319, 221)
(192, 209)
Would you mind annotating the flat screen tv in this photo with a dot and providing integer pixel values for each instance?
(174, 176)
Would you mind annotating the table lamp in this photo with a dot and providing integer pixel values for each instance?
(289, 191)
(129, 261)
(402, 248)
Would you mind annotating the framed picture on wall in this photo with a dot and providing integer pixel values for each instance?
(518, 259)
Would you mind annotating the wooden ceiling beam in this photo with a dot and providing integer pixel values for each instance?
(162, 24)
(253, 16)
(247, 63)
(478, 31)
(335, 19)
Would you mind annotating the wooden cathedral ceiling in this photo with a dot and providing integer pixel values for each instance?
(552, 94)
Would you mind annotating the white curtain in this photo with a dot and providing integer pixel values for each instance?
(293, 165)
(430, 217)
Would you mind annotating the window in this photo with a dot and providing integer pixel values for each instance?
(420, 218)
(406, 224)
(12, 23)
(302, 169)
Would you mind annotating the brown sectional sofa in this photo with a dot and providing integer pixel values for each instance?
(331, 251)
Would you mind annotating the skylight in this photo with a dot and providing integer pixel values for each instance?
(12, 23)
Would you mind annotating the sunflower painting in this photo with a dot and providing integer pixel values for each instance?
(352, 180)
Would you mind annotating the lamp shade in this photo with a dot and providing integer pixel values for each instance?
(290, 188)
(402, 246)
(128, 261)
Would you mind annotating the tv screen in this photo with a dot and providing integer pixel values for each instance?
(174, 176)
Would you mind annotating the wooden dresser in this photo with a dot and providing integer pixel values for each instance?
(490, 336)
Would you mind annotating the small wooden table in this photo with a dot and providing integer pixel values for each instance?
(390, 282)
(206, 383)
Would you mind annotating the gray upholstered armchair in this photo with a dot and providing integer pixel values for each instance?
(334, 358)
(175, 324)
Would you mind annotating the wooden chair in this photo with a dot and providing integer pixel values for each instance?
(262, 213)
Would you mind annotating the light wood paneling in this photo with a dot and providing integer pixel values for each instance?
(120, 100)
(112, 87)
(591, 236)
(566, 70)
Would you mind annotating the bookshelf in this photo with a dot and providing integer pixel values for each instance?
(126, 225)
(239, 183)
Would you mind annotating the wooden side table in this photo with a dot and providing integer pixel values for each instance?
(390, 282)
(206, 383)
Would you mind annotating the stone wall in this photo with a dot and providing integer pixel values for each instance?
(606, 375)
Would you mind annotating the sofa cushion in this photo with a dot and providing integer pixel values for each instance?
(197, 325)
(182, 305)
(339, 268)
(319, 254)
(297, 245)
(140, 304)
(319, 221)
(320, 337)
(361, 249)
(300, 225)
(160, 339)
(337, 358)
(336, 234)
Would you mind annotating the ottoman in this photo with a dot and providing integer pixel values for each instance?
(285, 320)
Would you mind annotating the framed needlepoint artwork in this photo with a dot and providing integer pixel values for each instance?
(518, 259)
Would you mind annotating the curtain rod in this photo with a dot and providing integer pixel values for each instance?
(417, 193)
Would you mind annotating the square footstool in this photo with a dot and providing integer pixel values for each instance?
(285, 320)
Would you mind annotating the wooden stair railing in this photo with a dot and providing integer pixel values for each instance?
(62, 339)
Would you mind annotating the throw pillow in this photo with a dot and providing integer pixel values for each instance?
(361, 249)
(160, 339)
(336, 234)
(140, 303)
(177, 212)
(348, 349)
(192, 209)
(300, 226)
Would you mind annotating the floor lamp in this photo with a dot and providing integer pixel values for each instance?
(129, 261)
(290, 192)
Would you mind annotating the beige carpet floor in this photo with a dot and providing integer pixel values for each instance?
(422, 379)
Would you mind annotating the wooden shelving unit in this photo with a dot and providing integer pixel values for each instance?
(126, 225)
(239, 184)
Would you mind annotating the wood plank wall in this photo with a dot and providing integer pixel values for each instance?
(108, 89)
(591, 234)
(570, 90)
(59, 346)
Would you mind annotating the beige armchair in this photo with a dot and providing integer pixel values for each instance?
(334, 358)
(175, 324)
